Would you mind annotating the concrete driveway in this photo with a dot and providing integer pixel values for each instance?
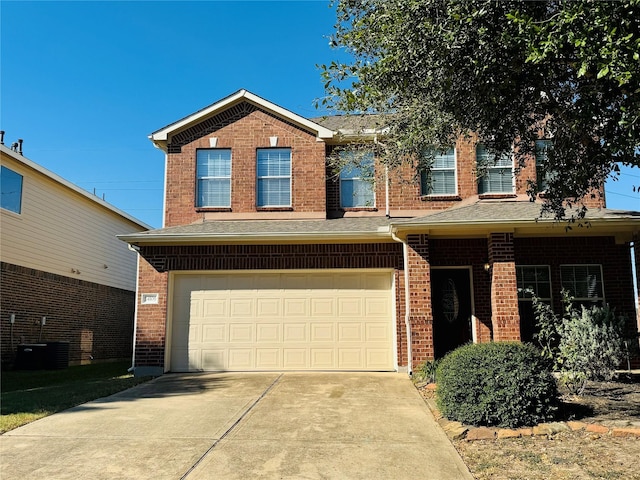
(239, 426)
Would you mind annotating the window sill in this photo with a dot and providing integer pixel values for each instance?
(487, 196)
(437, 198)
(358, 209)
(213, 209)
(274, 209)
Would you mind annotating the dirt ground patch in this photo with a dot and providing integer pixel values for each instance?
(567, 455)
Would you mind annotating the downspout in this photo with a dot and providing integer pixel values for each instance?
(407, 301)
(387, 211)
(135, 310)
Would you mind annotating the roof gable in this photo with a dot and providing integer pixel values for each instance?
(241, 100)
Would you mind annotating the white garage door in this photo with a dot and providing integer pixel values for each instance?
(336, 320)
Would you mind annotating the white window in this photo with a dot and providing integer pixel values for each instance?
(10, 190)
(356, 180)
(496, 173)
(441, 179)
(542, 174)
(274, 177)
(533, 279)
(213, 173)
(583, 282)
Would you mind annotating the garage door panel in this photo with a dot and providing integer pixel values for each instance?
(323, 307)
(214, 334)
(240, 359)
(295, 358)
(242, 307)
(350, 358)
(268, 358)
(213, 360)
(322, 358)
(322, 332)
(268, 307)
(295, 307)
(241, 332)
(268, 333)
(350, 332)
(295, 332)
(270, 321)
(214, 308)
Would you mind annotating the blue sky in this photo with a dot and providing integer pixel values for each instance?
(85, 83)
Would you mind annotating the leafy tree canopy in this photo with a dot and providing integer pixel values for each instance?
(508, 71)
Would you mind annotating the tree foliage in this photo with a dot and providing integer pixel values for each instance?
(507, 71)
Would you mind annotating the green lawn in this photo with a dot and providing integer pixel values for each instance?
(29, 395)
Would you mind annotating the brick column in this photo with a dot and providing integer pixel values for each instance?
(151, 321)
(421, 316)
(636, 252)
(505, 318)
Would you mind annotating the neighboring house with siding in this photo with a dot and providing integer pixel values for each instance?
(271, 258)
(61, 259)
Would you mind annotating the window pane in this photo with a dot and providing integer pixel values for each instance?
(356, 180)
(356, 193)
(214, 192)
(584, 282)
(497, 172)
(274, 162)
(11, 190)
(542, 148)
(273, 192)
(213, 172)
(446, 160)
(533, 279)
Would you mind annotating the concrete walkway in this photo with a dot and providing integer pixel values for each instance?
(239, 426)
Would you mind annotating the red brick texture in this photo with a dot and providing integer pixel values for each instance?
(504, 297)
(243, 137)
(96, 320)
(495, 303)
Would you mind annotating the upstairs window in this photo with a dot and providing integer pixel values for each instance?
(584, 283)
(497, 173)
(274, 177)
(542, 175)
(441, 179)
(214, 178)
(10, 190)
(356, 180)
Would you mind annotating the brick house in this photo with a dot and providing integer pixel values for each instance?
(64, 275)
(271, 258)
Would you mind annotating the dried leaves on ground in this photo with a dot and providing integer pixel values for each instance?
(575, 455)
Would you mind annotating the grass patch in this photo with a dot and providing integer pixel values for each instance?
(30, 395)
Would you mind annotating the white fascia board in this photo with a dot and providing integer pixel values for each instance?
(163, 134)
(58, 179)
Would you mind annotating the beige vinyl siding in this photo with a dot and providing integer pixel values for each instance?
(59, 231)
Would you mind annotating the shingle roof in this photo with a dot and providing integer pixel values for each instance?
(353, 124)
(501, 211)
(364, 227)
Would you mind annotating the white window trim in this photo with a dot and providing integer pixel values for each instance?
(586, 299)
(548, 267)
(214, 178)
(270, 177)
(455, 178)
(373, 188)
(496, 167)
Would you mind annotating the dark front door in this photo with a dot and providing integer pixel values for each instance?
(451, 304)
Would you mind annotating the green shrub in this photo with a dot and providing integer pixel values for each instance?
(591, 346)
(506, 384)
(426, 372)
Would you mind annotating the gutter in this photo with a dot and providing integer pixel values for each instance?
(407, 301)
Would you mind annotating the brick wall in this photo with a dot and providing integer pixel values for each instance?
(614, 258)
(505, 317)
(249, 130)
(96, 319)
